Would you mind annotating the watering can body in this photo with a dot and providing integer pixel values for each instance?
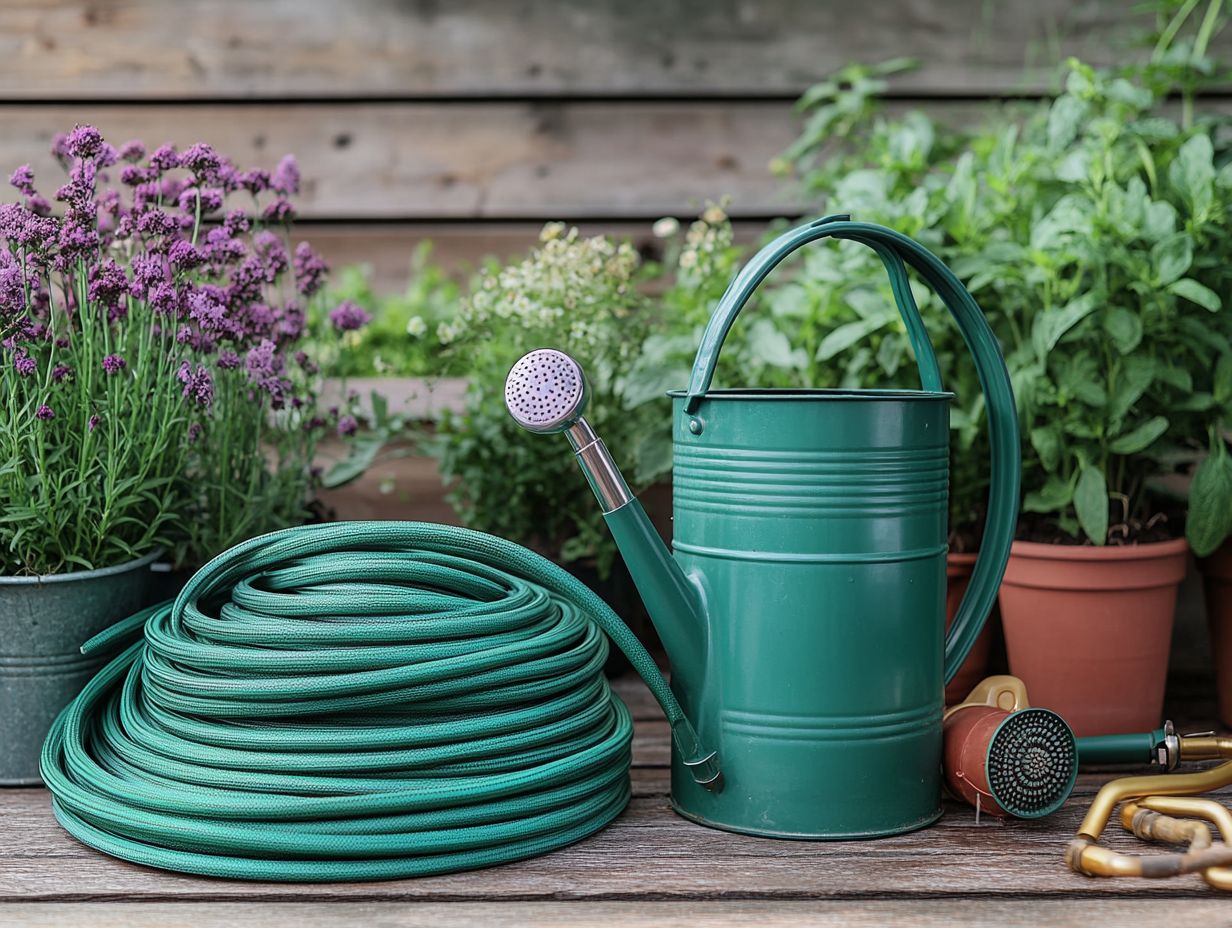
(815, 526)
(803, 605)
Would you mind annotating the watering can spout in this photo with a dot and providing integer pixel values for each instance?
(546, 392)
(675, 604)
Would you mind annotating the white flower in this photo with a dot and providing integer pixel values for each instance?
(551, 231)
(714, 214)
(665, 227)
(416, 326)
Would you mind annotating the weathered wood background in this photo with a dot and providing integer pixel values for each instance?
(473, 121)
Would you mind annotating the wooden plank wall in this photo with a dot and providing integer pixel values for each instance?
(473, 121)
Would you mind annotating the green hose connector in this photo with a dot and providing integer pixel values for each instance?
(355, 701)
(1159, 747)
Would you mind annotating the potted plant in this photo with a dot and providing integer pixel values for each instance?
(1091, 231)
(1111, 293)
(154, 401)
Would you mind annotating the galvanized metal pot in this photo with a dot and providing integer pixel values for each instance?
(43, 622)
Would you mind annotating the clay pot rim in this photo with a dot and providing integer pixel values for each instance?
(962, 558)
(1045, 552)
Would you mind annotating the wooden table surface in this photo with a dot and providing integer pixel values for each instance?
(650, 867)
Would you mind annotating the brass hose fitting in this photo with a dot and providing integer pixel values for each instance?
(1150, 810)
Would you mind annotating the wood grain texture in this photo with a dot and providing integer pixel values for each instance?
(179, 49)
(736, 913)
(462, 247)
(453, 161)
(650, 855)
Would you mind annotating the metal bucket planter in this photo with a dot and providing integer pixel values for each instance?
(43, 622)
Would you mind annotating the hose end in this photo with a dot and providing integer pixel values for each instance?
(706, 772)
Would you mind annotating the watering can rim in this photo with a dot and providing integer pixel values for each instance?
(814, 393)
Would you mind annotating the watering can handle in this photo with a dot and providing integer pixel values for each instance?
(894, 249)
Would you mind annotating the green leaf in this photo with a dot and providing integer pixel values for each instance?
(1195, 292)
(363, 452)
(1070, 214)
(1129, 93)
(1124, 328)
(1171, 257)
(1175, 376)
(1055, 494)
(1159, 221)
(1131, 384)
(1192, 172)
(380, 408)
(847, 335)
(1195, 402)
(892, 352)
(1051, 324)
(1091, 503)
(1140, 438)
(1223, 380)
(1082, 378)
(1064, 120)
(1210, 504)
(1047, 444)
(652, 456)
(769, 345)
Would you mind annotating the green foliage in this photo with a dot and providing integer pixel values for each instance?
(577, 294)
(403, 338)
(97, 484)
(1092, 230)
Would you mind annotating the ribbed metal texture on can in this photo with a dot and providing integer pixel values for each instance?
(816, 523)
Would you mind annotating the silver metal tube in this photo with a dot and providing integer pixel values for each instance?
(601, 472)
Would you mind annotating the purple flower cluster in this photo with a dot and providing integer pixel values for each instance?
(198, 384)
(146, 237)
(349, 316)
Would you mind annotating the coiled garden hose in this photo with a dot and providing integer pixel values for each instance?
(355, 701)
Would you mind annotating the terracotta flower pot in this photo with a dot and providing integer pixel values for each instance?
(958, 568)
(1217, 584)
(1088, 630)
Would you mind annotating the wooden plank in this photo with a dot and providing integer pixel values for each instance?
(648, 853)
(863, 913)
(651, 854)
(451, 161)
(462, 247)
(80, 49)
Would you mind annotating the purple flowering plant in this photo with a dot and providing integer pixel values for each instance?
(156, 389)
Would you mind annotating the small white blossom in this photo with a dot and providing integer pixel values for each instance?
(665, 227)
(416, 326)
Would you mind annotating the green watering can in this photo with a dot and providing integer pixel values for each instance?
(803, 610)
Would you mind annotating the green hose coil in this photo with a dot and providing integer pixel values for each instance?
(355, 701)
